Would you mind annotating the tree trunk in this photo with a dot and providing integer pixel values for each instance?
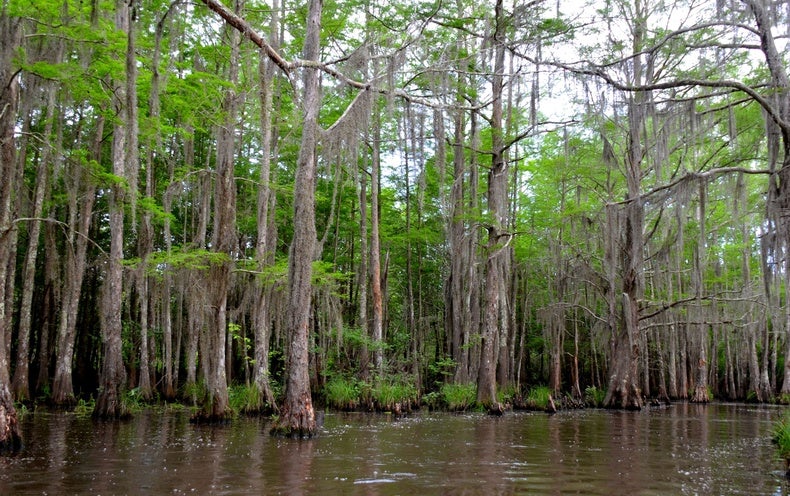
(623, 391)
(217, 403)
(74, 272)
(377, 308)
(10, 438)
(700, 394)
(21, 380)
(265, 245)
(112, 383)
(497, 238)
(779, 146)
(50, 297)
(297, 417)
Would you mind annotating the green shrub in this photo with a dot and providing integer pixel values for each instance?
(594, 396)
(506, 394)
(432, 400)
(342, 393)
(781, 438)
(85, 408)
(133, 401)
(394, 396)
(194, 392)
(459, 397)
(244, 398)
(538, 397)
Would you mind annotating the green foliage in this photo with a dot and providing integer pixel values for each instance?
(781, 438)
(84, 408)
(186, 259)
(594, 396)
(45, 394)
(324, 273)
(506, 394)
(21, 410)
(538, 397)
(148, 204)
(194, 392)
(243, 343)
(132, 401)
(245, 399)
(394, 395)
(459, 397)
(342, 393)
(440, 370)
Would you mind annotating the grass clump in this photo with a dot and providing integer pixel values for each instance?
(594, 396)
(506, 395)
(781, 438)
(342, 393)
(394, 396)
(84, 408)
(244, 399)
(459, 397)
(538, 398)
(133, 401)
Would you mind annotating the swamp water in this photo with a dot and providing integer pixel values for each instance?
(683, 449)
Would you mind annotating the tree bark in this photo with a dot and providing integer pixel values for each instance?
(79, 223)
(10, 437)
(778, 138)
(21, 381)
(297, 417)
(265, 245)
(377, 308)
(623, 390)
(217, 402)
(497, 238)
(112, 383)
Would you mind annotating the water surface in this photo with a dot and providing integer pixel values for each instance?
(683, 449)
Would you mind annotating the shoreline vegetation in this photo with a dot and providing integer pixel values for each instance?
(387, 398)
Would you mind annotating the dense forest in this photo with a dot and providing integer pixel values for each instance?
(260, 205)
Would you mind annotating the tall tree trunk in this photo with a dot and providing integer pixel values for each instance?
(109, 403)
(157, 85)
(457, 311)
(10, 437)
(623, 390)
(497, 238)
(81, 187)
(297, 415)
(21, 380)
(377, 321)
(51, 295)
(363, 269)
(145, 238)
(265, 245)
(217, 405)
(700, 394)
(779, 146)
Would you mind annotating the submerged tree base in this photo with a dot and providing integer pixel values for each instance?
(10, 439)
(497, 409)
(701, 395)
(298, 423)
(624, 399)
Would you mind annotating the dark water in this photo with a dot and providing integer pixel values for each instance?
(685, 449)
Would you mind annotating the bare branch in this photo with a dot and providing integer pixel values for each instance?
(244, 27)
